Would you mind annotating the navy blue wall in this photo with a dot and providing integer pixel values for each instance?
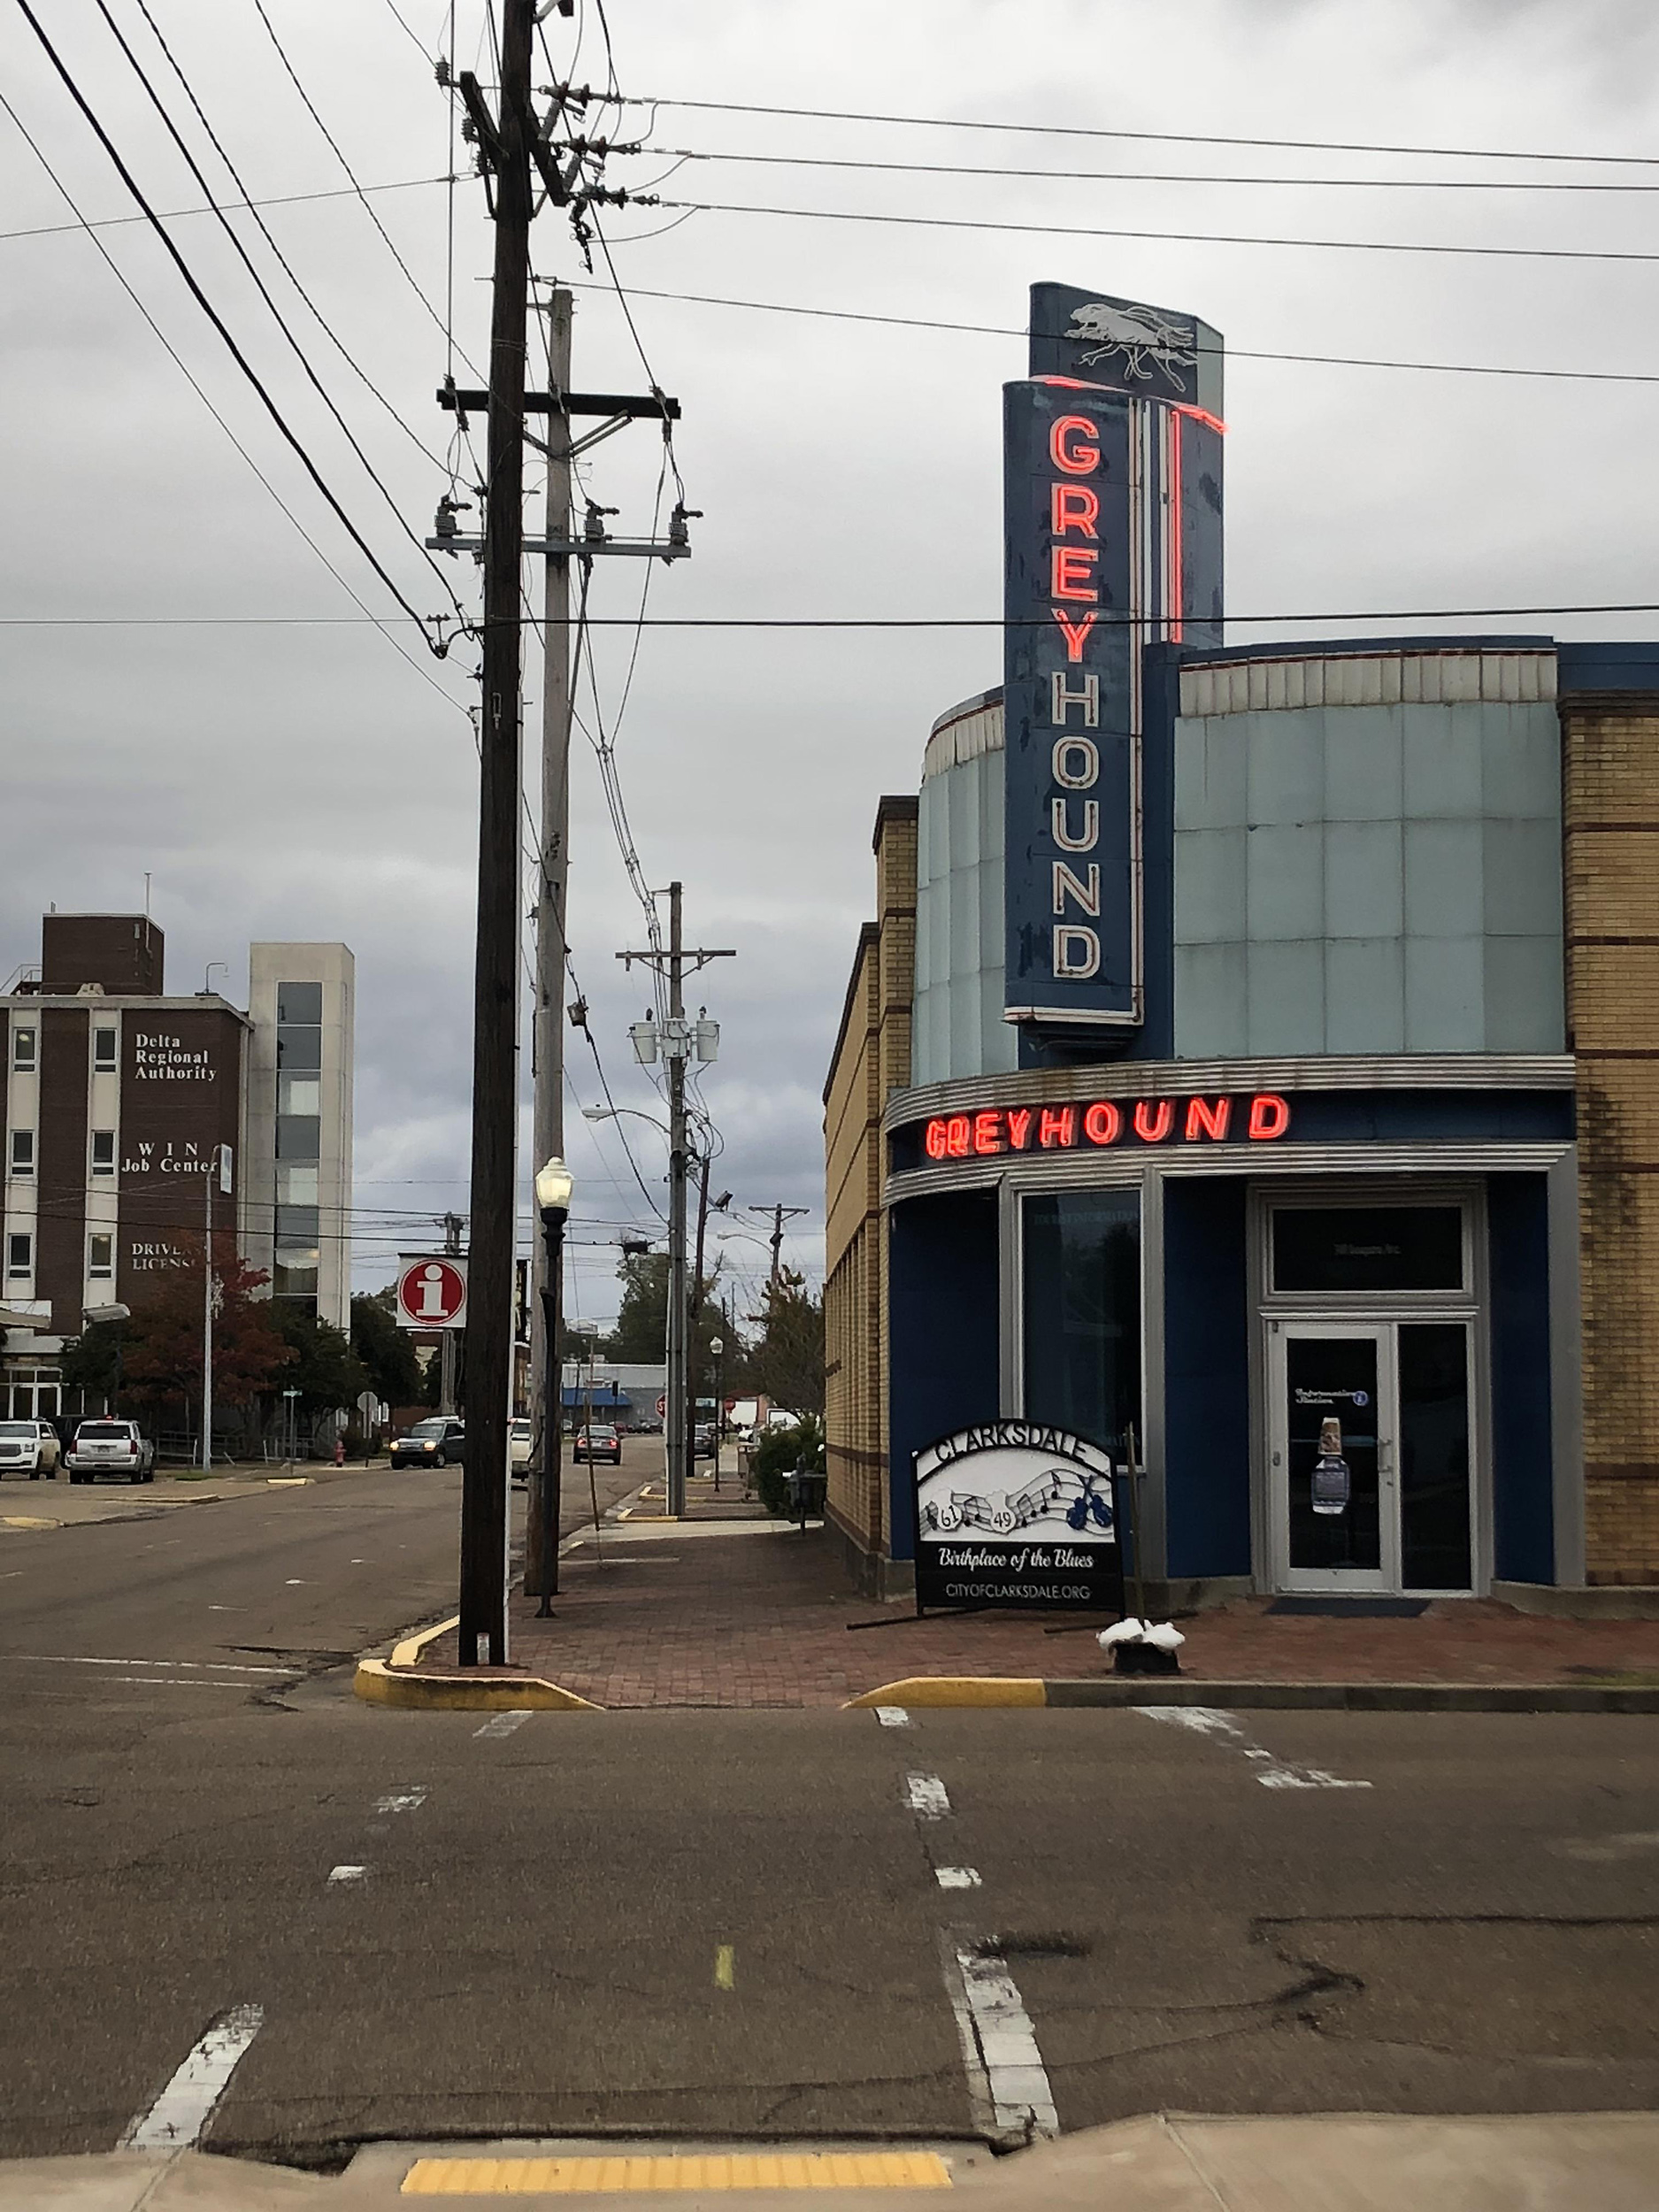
(1206, 1377)
(944, 1355)
(1523, 1508)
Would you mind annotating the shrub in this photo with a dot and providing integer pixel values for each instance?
(779, 1453)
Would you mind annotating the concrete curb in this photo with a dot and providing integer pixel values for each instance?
(969, 1690)
(379, 1684)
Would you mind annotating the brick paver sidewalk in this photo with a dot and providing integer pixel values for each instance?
(698, 1614)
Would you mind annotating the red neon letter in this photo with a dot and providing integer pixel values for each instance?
(1102, 1124)
(1073, 507)
(987, 1132)
(1153, 1127)
(1207, 1121)
(935, 1140)
(1270, 1115)
(956, 1136)
(1058, 1127)
(1072, 445)
(1070, 576)
(1018, 1126)
(1076, 632)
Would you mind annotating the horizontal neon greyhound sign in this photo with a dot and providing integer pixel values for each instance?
(1259, 1119)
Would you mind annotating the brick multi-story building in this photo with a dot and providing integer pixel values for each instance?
(117, 1100)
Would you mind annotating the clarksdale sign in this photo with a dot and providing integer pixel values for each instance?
(1015, 1513)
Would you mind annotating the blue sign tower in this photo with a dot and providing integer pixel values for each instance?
(1112, 541)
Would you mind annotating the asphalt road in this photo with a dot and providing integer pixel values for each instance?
(735, 1923)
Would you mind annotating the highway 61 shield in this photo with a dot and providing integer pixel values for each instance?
(1015, 1513)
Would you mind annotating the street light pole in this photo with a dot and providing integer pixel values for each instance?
(553, 1192)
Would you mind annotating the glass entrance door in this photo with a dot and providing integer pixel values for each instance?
(1369, 1456)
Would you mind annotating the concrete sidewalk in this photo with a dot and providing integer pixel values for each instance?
(748, 1612)
(1552, 2162)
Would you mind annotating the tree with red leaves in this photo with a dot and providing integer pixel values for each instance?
(162, 1350)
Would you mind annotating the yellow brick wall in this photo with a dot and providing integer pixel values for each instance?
(872, 1058)
(1610, 812)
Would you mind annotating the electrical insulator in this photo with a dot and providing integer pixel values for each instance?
(679, 534)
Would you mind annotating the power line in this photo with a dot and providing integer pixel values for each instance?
(1165, 237)
(311, 109)
(1011, 330)
(208, 310)
(235, 207)
(839, 622)
(289, 271)
(1161, 138)
(310, 374)
(179, 362)
(1151, 176)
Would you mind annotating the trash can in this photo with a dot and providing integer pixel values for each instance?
(806, 1494)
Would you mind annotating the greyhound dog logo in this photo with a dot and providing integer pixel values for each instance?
(1141, 335)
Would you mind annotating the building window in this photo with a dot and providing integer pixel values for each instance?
(299, 1095)
(104, 1043)
(1329, 1249)
(104, 1152)
(25, 1044)
(297, 1185)
(298, 1136)
(1082, 1272)
(100, 1257)
(300, 1004)
(295, 1274)
(22, 1152)
(19, 1253)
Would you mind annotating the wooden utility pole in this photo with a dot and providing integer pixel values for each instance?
(505, 144)
(541, 1516)
(677, 1043)
(780, 1215)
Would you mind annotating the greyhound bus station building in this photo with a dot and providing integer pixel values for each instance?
(1251, 1055)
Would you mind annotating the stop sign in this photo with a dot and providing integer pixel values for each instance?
(662, 1408)
(432, 1293)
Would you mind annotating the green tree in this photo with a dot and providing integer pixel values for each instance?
(786, 1360)
(92, 1363)
(641, 1330)
(323, 1367)
(161, 1346)
(384, 1351)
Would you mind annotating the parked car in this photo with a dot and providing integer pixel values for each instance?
(521, 1442)
(29, 1448)
(108, 1447)
(433, 1443)
(702, 1440)
(601, 1441)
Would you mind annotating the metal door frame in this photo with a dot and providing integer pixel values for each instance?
(1383, 1579)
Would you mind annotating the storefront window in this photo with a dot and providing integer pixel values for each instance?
(1367, 1248)
(1082, 1312)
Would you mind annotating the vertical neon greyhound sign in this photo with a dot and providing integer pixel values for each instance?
(1112, 538)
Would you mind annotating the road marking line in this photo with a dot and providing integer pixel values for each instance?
(347, 1874)
(1008, 2083)
(208, 1666)
(295, 1582)
(1272, 1772)
(409, 1801)
(504, 1724)
(892, 1716)
(186, 2105)
(957, 1877)
(724, 1966)
(925, 1794)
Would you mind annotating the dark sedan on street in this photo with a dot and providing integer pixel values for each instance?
(433, 1443)
(601, 1441)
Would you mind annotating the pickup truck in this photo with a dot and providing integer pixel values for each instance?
(109, 1447)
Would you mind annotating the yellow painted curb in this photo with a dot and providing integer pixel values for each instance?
(380, 1684)
(957, 1689)
(710, 2171)
(408, 1652)
(27, 1520)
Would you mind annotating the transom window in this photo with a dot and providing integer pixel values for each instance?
(1367, 1248)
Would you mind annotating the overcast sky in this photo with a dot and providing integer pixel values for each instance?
(306, 781)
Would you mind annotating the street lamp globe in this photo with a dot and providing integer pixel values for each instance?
(554, 1186)
(717, 1344)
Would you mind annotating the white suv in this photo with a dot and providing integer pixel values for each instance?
(29, 1448)
(111, 1448)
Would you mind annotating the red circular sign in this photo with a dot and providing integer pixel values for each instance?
(432, 1293)
(662, 1408)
